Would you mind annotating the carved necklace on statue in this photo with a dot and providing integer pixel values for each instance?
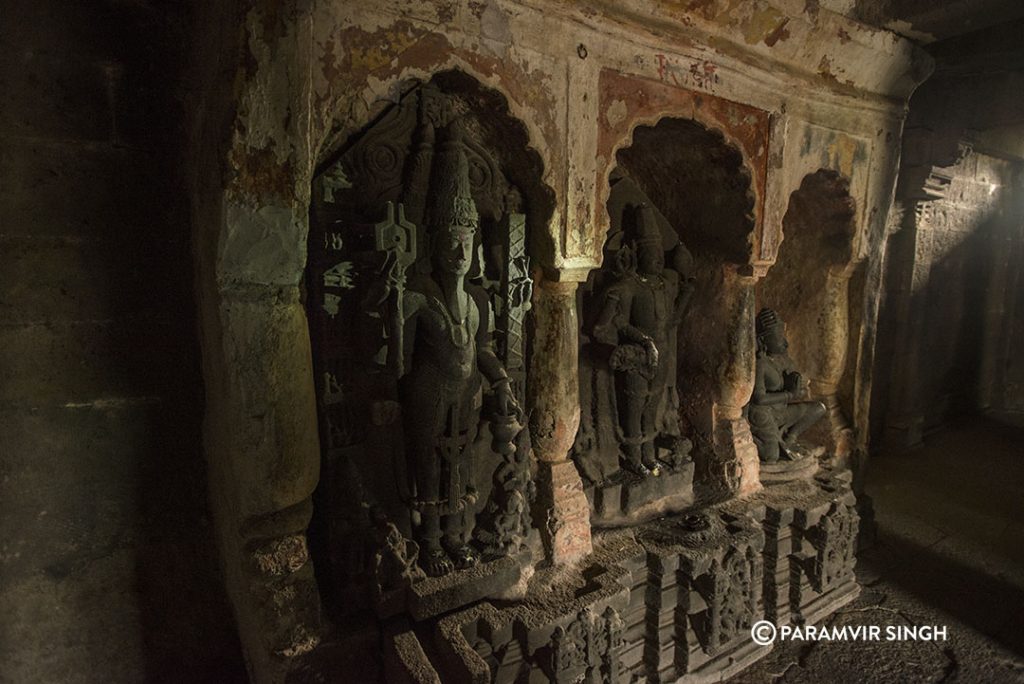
(458, 331)
(654, 282)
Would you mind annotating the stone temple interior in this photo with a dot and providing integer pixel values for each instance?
(511, 341)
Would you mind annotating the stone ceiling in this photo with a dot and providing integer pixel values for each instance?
(928, 21)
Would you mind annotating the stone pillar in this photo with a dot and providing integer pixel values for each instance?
(734, 445)
(905, 419)
(834, 335)
(554, 417)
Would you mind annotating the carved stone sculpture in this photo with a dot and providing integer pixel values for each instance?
(779, 410)
(588, 648)
(641, 307)
(630, 446)
(418, 293)
(395, 564)
(446, 347)
(505, 521)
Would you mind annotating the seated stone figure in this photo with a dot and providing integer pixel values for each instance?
(779, 409)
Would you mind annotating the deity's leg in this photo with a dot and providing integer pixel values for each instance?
(458, 525)
(428, 493)
(653, 406)
(767, 449)
(799, 417)
(632, 399)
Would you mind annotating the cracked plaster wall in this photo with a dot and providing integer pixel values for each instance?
(308, 74)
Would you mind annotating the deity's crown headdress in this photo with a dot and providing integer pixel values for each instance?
(647, 231)
(766, 320)
(452, 209)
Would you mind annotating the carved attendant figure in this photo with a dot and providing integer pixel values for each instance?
(778, 410)
(641, 309)
(447, 346)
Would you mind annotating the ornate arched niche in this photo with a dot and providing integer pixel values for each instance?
(418, 293)
(809, 288)
(655, 320)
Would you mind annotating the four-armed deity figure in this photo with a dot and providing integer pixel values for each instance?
(447, 346)
(641, 310)
(778, 410)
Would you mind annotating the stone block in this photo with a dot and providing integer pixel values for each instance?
(436, 595)
(65, 280)
(560, 493)
(268, 411)
(811, 536)
(405, 662)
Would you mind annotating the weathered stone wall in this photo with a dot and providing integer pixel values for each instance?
(107, 567)
(952, 319)
(794, 87)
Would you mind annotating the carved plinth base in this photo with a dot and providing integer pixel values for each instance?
(787, 471)
(437, 595)
(810, 540)
(571, 623)
(627, 498)
(671, 600)
(667, 600)
(704, 594)
(736, 656)
(566, 530)
(405, 661)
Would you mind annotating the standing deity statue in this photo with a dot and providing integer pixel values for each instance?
(446, 347)
(641, 310)
(779, 409)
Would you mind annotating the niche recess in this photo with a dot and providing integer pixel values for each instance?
(701, 187)
(360, 422)
(809, 286)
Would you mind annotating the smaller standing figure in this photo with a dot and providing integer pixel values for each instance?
(779, 409)
(505, 521)
(395, 565)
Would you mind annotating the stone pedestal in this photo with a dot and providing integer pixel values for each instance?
(436, 595)
(787, 471)
(627, 498)
(810, 544)
(704, 594)
(671, 600)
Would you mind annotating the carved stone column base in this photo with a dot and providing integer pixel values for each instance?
(737, 455)
(566, 532)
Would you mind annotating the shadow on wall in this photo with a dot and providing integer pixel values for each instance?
(952, 315)
(112, 574)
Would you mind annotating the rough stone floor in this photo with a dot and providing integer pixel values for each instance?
(949, 551)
